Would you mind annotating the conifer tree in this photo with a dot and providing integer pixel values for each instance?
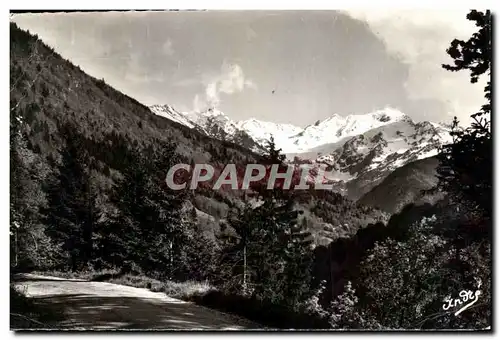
(121, 243)
(276, 249)
(466, 165)
(199, 254)
(148, 230)
(72, 210)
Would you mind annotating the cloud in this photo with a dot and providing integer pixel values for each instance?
(420, 38)
(230, 80)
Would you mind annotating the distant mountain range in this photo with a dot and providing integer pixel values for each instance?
(361, 150)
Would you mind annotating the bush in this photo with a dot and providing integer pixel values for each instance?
(345, 312)
(185, 290)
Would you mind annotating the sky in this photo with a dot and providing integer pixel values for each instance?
(292, 67)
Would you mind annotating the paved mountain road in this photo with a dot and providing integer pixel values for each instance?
(102, 305)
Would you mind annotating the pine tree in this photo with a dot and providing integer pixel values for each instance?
(121, 237)
(18, 174)
(199, 254)
(298, 270)
(72, 208)
(276, 252)
(147, 232)
(242, 268)
(166, 206)
(466, 165)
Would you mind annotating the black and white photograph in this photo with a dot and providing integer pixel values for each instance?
(251, 170)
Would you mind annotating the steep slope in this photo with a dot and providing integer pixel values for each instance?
(213, 123)
(169, 112)
(48, 92)
(405, 185)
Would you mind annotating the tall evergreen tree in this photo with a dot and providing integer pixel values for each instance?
(199, 253)
(275, 249)
(72, 208)
(148, 229)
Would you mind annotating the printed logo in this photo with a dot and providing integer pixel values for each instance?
(243, 177)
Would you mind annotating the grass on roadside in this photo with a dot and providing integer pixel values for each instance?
(90, 275)
(179, 290)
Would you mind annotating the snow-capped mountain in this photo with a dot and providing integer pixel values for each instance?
(337, 128)
(360, 150)
(169, 112)
(212, 122)
(412, 140)
(366, 159)
(215, 123)
(291, 139)
(261, 131)
(202, 120)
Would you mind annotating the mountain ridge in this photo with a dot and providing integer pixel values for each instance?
(287, 135)
(360, 150)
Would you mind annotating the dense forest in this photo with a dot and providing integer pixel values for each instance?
(88, 194)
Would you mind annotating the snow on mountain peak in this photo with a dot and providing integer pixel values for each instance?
(290, 138)
(262, 131)
(388, 114)
(336, 128)
(213, 112)
(169, 112)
